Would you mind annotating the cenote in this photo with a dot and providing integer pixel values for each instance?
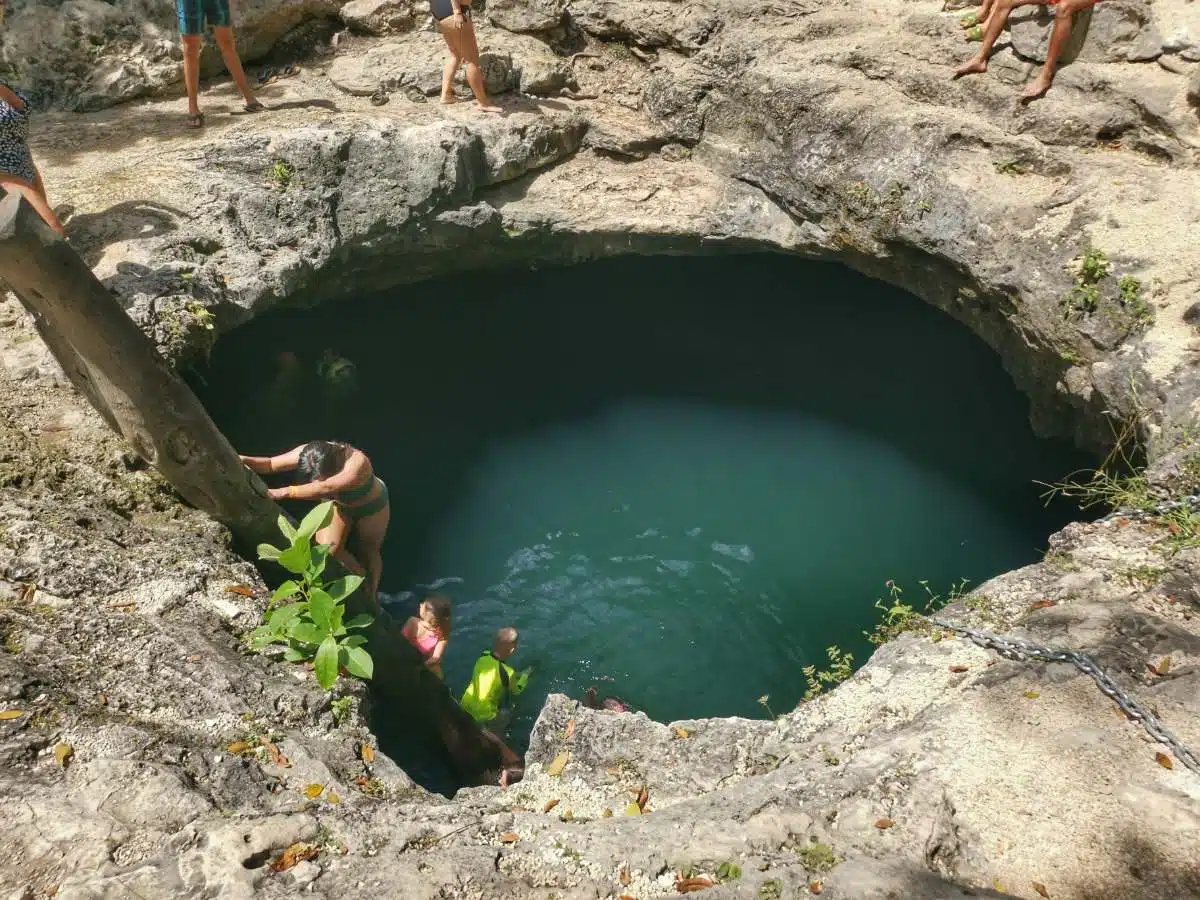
(681, 478)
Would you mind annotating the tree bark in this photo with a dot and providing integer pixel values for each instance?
(117, 368)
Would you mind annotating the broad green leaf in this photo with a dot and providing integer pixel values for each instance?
(287, 529)
(325, 665)
(344, 587)
(266, 551)
(316, 563)
(279, 619)
(305, 651)
(358, 662)
(362, 620)
(293, 654)
(264, 640)
(295, 558)
(335, 621)
(305, 633)
(288, 589)
(318, 517)
(321, 609)
(354, 640)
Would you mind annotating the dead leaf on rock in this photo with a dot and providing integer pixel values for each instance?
(883, 824)
(570, 730)
(240, 589)
(361, 781)
(643, 798)
(633, 809)
(692, 885)
(1164, 760)
(1041, 604)
(276, 756)
(550, 806)
(612, 771)
(1041, 889)
(816, 888)
(313, 791)
(7, 715)
(237, 748)
(627, 897)
(1164, 666)
(63, 754)
(296, 853)
(607, 814)
(509, 837)
(1032, 695)
(626, 878)
(560, 763)
(367, 752)
(332, 798)
(959, 669)
(682, 733)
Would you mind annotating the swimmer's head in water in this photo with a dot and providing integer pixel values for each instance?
(435, 612)
(322, 459)
(505, 644)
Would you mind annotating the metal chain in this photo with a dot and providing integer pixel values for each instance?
(1016, 649)
(1158, 509)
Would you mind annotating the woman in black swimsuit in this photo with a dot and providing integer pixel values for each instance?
(454, 21)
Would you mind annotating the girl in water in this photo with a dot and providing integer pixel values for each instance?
(343, 474)
(429, 631)
(454, 21)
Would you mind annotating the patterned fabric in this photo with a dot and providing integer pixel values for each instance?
(15, 160)
(194, 13)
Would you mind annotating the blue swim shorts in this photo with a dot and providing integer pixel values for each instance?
(194, 14)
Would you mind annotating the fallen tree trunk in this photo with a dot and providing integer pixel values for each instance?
(117, 368)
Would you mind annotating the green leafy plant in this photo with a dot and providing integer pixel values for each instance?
(312, 625)
(817, 857)
(841, 667)
(899, 617)
(729, 871)
(341, 710)
(282, 174)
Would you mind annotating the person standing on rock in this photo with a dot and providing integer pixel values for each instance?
(454, 21)
(997, 18)
(193, 15)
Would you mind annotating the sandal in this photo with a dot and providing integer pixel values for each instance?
(272, 74)
(195, 121)
(380, 96)
(254, 107)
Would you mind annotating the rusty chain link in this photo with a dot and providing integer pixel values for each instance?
(1016, 649)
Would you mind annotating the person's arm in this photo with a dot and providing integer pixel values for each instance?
(435, 658)
(266, 465)
(323, 488)
(457, 19)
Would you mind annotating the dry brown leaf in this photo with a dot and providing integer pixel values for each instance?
(550, 805)
(361, 781)
(613, 771)
(1164, 666)
(959, 669)
(313, 791)
(626, 878)
(682, 733)
(367, 752)
(1041, 889)
(509, 837)
(1164, 760)
(560, 763)
(9, 714)
(1041, 604)
(332, 798)
(237, 748)
(276, 756)
(643, 798)
(692, 885)
(63, 754)
(240, 589)
(883, 824)
(1174, 529)
(607, 814)
(626, 897)
(296, 853)
(816, 888)
(570, 730)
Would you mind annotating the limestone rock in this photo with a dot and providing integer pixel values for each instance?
(379, 17)
(526, 16)
(1193, 89)
(651, 23)
(1113, 31)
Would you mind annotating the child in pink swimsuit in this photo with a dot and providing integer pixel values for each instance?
(429, 631)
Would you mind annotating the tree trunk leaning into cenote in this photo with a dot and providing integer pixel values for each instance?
(116, 367)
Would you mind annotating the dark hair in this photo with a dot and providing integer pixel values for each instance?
(322, 459)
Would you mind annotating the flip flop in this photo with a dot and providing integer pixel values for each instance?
(272, 74)
(195, 121)
(254, 107)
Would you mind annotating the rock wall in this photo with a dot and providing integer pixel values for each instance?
(939, 770)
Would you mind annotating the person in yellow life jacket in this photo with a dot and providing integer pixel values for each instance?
(494, 683)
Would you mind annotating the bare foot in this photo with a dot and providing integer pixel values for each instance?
(449, 98)
(1036, 89)
(489, 108)
(973, 66)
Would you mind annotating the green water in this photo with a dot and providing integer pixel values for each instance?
(681, 479)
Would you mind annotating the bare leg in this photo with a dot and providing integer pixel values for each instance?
(470, 55)
(370, 533)
(191, 73)
(452, 64)
(1064, 13)
(37, 199)
(334, 536)
(996, 22)
(224, 39)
